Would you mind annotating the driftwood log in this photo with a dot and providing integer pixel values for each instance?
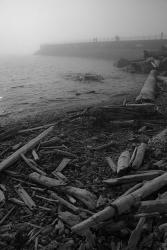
(149, 90)
(123, 203)
(146, 111)
(16, 155)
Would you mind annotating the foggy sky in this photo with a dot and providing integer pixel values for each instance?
(25, 24)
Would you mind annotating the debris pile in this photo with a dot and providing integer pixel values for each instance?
(156, 59)
(93, 180)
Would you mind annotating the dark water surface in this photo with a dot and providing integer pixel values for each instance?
(34, 83)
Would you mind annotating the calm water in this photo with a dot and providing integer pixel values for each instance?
(33, 83)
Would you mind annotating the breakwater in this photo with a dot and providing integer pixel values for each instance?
(104, 50)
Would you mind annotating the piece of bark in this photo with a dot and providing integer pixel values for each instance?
(152, 206)
(83, 195)
(124, 203)
(16, 155)
(25, 197)
(111, 164)
(139, 156)
(134, 178)
(133, 156)
(63, 202)
(35, 155)
(44, 180)
(62, 165)
(136, 234)
(149, 90)
(123, 162)
(32, 166)
(60, 152)
(69, 218)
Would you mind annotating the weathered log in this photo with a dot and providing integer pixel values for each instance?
(146, 111)
(151, 206)
(149, 90)
(83, 195)
(134, 178)
(139, 156)
(16, 155)
(123, 204)
(123, 162)
(44, 180)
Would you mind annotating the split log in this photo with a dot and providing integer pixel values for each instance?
(139, 156)
(136, 234)
(146, 111)
(123, 204)
(16, 155)
(152, 206)
(149, 90)
(44, 180)
(83, 195)
(134, 178)
(123, 162)
(111, 164)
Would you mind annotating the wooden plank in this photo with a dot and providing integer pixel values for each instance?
(61, 166)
